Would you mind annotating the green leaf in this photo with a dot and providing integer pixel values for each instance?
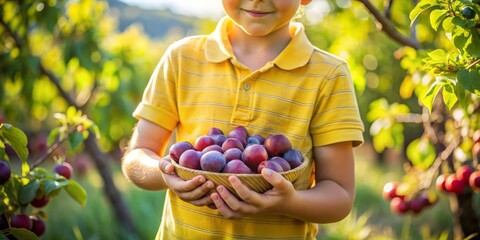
(382, 140)
(460, 38)
(75, 139)
(470, 80)
(40, 172)
(448, 24)
(71, 113)
(473, 45)
(16, 138)
(462, 22)
(430, 95)
(53, 136)
(449, 95)
(378, 109)
(438, 55)
(23, 234)
(462, 97)
(76, 192)
(51, 185)
(27, 192)
(2, 151)
(437, 16)
(11, 188)
(420, 7)
(421, 153)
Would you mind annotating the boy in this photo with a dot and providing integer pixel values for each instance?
(258, 70)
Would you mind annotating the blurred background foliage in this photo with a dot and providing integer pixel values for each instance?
(98, 56)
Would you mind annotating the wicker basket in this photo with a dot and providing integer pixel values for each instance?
(299, 176)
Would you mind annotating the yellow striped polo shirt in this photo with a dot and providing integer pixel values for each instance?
(305, 93)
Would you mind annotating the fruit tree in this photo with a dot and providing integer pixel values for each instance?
(57, 54)
(26, 187)
(444, 74)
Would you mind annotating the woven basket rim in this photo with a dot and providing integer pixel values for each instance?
(301, 167)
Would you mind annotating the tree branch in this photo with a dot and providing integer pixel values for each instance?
(43, 70)
(56, 82)
(388, 8)
(52, 148)
(385, 25)
(118, 203)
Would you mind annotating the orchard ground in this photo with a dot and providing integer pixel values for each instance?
(370, 218)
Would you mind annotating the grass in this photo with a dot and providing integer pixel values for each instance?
(370, 219)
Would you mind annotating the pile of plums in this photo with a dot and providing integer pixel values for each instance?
(237, 152)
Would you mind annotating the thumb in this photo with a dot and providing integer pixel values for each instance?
(166, 167)
(276, 179)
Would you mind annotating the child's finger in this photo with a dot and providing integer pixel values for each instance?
(243, 191)
(222, 206)
(237, 206)
(277, 180)
(166, 167)
(192, 185)
(206, 200)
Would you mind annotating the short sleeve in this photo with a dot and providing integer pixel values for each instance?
(337, 118)
(158, 103)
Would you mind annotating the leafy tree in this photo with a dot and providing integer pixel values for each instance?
(57, 54)
(25, 191)
(443, 66)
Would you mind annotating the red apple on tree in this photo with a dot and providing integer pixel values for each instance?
(64, 169)
(463, 173)
(40, 201)
(21, 221)
(398, 205)
(416, 204)
(38, 226)
(474, 180)
(453, 184)
(440, 182)
(390, 190)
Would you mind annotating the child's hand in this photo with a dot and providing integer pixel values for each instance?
(250, 202)
(193, 191)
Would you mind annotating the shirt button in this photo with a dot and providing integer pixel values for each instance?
(246, 86)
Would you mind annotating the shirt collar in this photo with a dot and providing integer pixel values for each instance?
(296, 54)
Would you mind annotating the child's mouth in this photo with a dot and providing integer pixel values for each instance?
(254, 13)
